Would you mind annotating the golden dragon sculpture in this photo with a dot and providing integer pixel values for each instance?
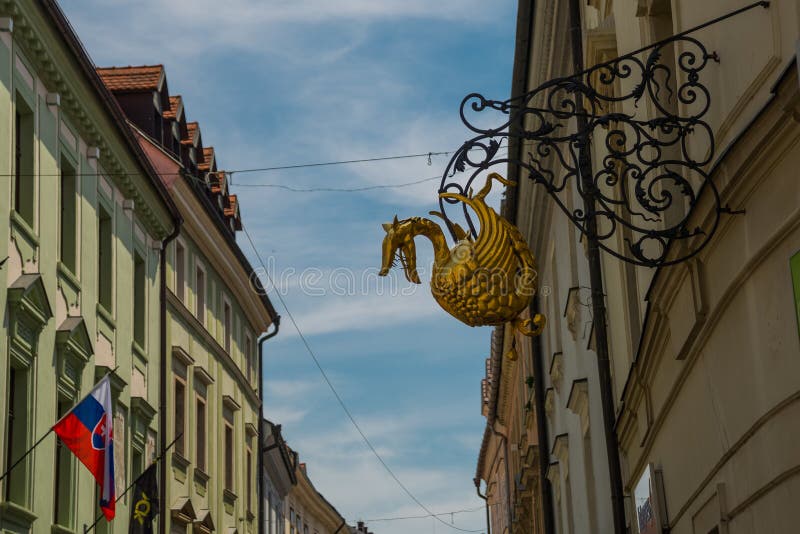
(482, 282)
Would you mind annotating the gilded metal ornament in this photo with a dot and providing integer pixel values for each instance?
(482, 281)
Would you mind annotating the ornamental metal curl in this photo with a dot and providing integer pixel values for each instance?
(647, 112)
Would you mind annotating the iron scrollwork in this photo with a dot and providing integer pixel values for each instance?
(646, 112)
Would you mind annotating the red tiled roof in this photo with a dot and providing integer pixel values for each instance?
(208, 156)
(231, 208)
(231, 212)
(217, 182)
(191, 128)
(174, 103)
(131, 79)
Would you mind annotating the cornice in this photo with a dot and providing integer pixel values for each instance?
(314, 502)
(199, 227)
(75, 103)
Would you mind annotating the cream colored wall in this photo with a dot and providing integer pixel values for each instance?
(726, 413)
(313, 510)
(229, 393)
(720, 414)
(713, 395)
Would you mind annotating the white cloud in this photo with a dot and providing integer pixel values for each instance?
(191, 28)
(284, 414)
(339, 314)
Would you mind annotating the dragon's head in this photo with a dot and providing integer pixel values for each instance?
(398, 245)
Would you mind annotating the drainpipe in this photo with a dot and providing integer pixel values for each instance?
(596, 282)
(477, 482)
(260, 460)
(541, 427)
(163, 378)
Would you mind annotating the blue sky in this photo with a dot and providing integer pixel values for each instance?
(285, 82)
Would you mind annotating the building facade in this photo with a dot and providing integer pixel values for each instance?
(216, 315)
(278, 477)
(705, 377)
(509, 456)
(85, 216)
(306, 511)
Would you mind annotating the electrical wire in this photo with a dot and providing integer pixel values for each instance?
(339, 189)
(428, 155)
(479, 508)
(338, 397)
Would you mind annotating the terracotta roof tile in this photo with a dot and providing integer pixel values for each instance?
(175, 103)
(132, 79)
(231, 208)
(217, 183)
(191, 128)
(231, 211)
(208, 157)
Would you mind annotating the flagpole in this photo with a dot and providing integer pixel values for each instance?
(41, 439)
(87, 529)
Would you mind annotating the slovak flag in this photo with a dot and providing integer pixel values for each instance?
(87, 430)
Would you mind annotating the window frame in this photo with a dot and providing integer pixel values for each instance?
(179, 434)
(227, 324)
(201, 461)
(179, 268)
(105, 273)
(200, 292)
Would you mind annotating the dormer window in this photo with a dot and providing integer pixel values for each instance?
(176, 138)
(157, 119)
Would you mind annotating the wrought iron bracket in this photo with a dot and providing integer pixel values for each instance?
(646, 111)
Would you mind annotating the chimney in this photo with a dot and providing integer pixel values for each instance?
(361, 526)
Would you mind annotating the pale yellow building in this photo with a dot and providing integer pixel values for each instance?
(215, 318)
(306, 511)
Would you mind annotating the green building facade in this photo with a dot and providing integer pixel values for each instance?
(85, 216)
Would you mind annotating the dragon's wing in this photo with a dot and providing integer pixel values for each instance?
(461, 234)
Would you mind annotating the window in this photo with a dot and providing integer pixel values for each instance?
(157, 127)
(176, 138)
(291, 520)
(23, 161)
(248, 357)
(249, 475)
(228, 456)
(270, 515)
(305, 529)
(104, 259)
(794, 266)
(201, 433)
(17, 438)
(298, 523)
(64, 494)
(68, 217)
(180, 416)
(200, 288)
(137, 464)
(226, 326)
(180, 271)
(139, 301)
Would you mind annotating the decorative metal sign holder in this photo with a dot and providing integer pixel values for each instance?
(637, 206)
